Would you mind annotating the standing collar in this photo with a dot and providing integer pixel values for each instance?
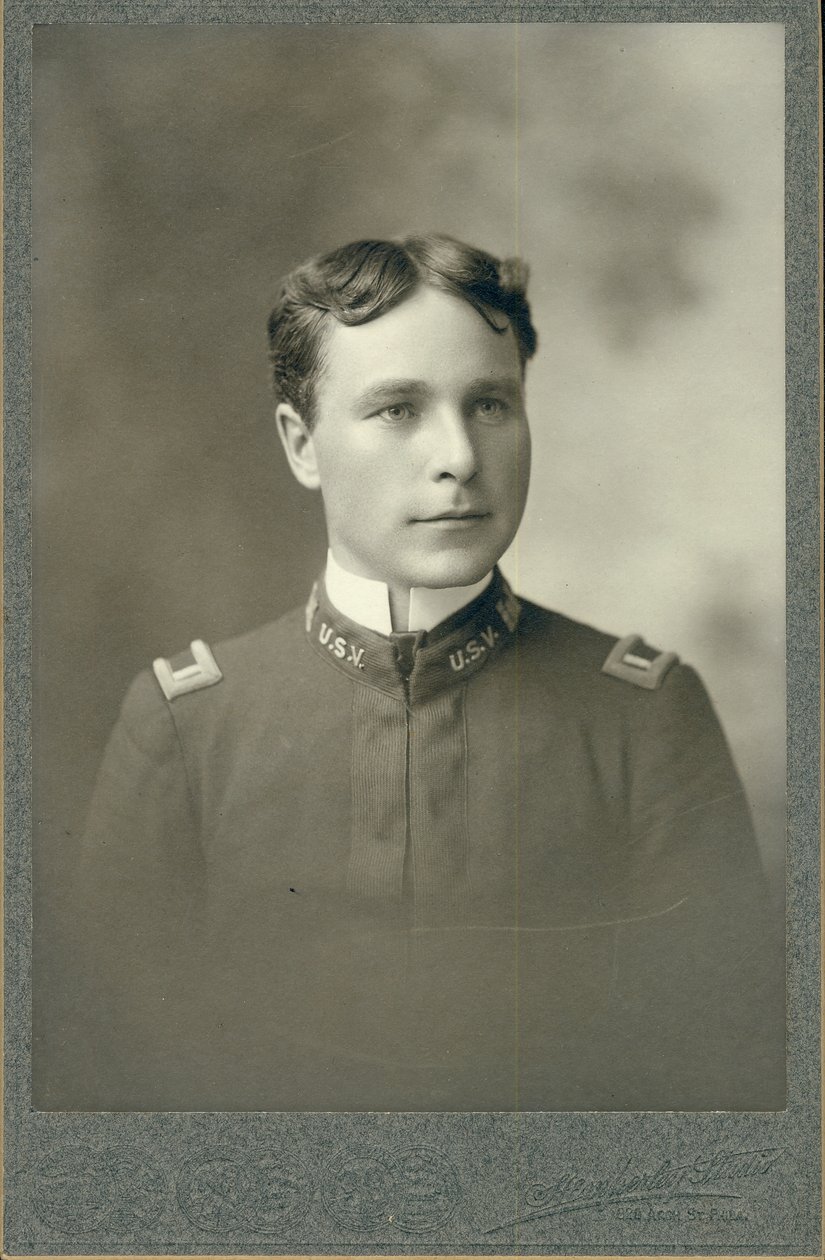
(414, 666)
(367, 602)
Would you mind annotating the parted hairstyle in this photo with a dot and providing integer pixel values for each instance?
(363, 280)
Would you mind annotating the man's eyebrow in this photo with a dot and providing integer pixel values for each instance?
(407, 387)
(496, 384)
(392, 387)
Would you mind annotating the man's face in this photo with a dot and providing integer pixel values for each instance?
(421, 443)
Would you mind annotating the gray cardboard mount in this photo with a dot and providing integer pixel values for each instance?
(549, 1183)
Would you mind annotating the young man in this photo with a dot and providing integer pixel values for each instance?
(421, 844)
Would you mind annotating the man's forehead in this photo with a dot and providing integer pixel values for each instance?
(429, 335)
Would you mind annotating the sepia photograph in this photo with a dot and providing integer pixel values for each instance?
(348, 796)
(420, 779)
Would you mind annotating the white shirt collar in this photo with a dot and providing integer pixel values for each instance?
(367, 602)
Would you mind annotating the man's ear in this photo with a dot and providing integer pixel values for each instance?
(296, 440)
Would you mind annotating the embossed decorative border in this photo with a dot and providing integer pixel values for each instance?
(424, 1184)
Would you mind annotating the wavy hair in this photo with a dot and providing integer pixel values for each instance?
(361, 281)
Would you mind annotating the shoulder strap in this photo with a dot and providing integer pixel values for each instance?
(190, 671)
(634, 662)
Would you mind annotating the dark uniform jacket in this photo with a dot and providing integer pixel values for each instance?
(506, 863)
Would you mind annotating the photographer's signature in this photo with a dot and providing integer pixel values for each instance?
(572, 1192)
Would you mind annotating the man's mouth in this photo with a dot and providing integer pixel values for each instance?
(454, 514)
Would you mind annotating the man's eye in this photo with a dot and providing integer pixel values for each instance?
(490, 406)
(396, 412)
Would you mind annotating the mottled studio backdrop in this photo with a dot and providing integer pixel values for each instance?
(179, 172)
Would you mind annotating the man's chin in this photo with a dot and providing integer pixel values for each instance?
(450, 570)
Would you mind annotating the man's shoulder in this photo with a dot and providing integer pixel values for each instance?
(584, 655)
(210, 675)
(577, 642)
(269, 648)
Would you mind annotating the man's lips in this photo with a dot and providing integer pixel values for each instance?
(455, 514)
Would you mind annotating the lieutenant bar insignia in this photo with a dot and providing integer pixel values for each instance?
(311, 608)
(634, 662)
(508, 608)
(198, 669)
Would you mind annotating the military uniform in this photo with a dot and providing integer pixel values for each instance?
(506, 862)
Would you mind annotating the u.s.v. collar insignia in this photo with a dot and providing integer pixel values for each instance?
(197, 668)
(634, 662)
(474, 648)
(340, 647)
(486, 638)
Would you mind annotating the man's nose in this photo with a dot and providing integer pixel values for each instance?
(453, 454)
